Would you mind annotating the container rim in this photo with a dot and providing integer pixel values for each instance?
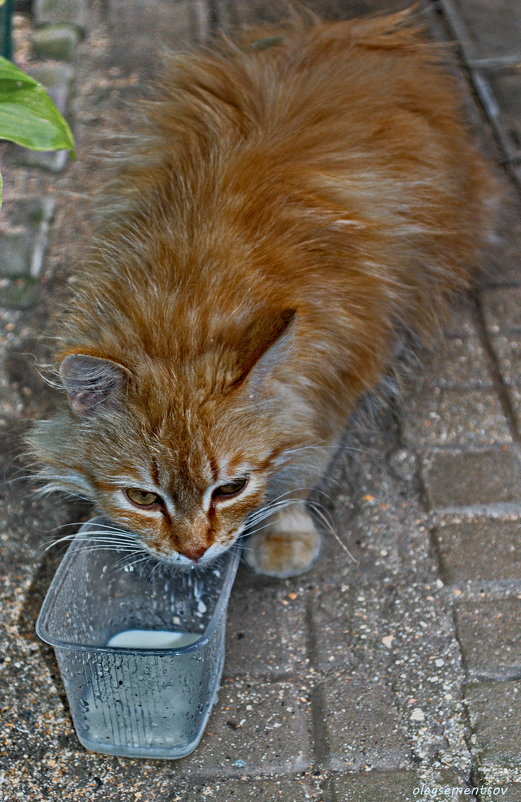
(233, 555)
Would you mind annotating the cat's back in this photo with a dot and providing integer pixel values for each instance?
(305, 91)
(359, 115)
(318, 166)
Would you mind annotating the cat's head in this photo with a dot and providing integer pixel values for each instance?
(180, 453)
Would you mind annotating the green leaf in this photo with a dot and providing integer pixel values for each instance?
(9, 72)
(28, 116)
(34, 124)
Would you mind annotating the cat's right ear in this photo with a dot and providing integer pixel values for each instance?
(92, 382)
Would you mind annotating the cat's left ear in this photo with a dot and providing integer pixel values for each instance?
(269, 340)
(92, 382)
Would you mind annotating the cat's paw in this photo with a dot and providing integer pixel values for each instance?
(288, 547)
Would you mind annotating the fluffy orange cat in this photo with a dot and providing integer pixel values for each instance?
(300, 197)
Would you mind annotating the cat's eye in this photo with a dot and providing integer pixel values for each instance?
(143, 498)
(230, 489)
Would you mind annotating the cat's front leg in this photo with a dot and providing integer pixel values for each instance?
(287, 547)
(287, 542)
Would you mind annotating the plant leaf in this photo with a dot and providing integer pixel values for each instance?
(28, 116)
(9, 72)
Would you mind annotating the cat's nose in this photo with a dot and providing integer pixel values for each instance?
(194, 554)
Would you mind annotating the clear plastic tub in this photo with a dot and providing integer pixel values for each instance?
(137, 702)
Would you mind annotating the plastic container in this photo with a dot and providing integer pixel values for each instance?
(137, 702)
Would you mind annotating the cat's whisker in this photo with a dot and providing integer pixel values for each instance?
(102, 544)
(32, 465)
(143, 561)
(286, 493)
(270, 505)
(56, 385)
(315, 508)
(332, 531)
(85, 549)
(337, 447)
(154, 562)
(73, 492)
(109, 538)
(123, 562)
(299, 489)
(268, 510)
(110, 542)
(108, 531)
(50, 543)
(308, 489)
(305, 448)
(24, 478)
(246, 548)
(92, 526)
(255, 530)
(156, 568)
(96, 537)
(114, 546)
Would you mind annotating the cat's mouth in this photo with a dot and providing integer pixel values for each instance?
(163, 553)
(190, 561)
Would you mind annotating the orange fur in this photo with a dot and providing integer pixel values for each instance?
(290, 210)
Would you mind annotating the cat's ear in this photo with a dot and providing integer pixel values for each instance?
(268, 341)
(92, 382)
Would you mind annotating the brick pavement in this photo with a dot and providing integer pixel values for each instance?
(369, 676)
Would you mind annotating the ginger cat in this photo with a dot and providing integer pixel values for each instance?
(300, 197)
